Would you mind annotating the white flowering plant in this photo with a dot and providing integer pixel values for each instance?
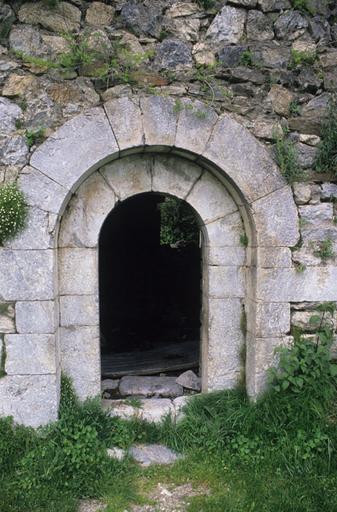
(13, 211)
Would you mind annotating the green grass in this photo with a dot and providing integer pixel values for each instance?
(275, 455)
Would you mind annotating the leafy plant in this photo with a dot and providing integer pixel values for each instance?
(206, 4)
(287, 160)
(178, 224)
(325, 250)
(13, 211)
(308, 365)
(302, 5)
(244, 240)
(326, 159)
(294, 108)
(299, 58)
(34, 136)
(246, 58)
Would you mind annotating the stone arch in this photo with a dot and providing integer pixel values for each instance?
(223, 263)
(120, 128)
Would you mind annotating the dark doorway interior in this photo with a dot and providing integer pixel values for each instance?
(150, 290)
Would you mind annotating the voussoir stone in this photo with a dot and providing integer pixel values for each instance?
(194, 126)
(129, 175)
(159, 120)
(72, 152)
(63, 17)
(86, 212)
(40, 191)
(246, 161)
(129, 133)
(276, 219)
(165, 387)
(227, 26)
(175, 175)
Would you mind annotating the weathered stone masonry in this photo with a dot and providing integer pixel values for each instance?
(138, 143)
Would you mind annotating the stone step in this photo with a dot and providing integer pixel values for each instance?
(152, 410)
(148, 386)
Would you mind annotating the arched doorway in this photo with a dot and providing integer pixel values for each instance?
(150, 287)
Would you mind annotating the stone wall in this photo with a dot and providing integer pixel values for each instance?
(272, 67)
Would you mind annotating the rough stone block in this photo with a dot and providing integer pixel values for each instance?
(316, 213)
(189, 380)
(80, 359)
(153, 410)
(287, 285)
(36, 233)
(247, 162)
(78, 273)
(30, 354)
(26, 275)
(226, 256)
(194, 126)
(41, 191)
(129, 132)
(276, 219)
(7, 317)
(86, 212)
(149, 454)
(164, 387)
(79, 310)
(77, 148)
(210, 199)
(265, 319)
(36, 317)
(64, 17)
(274, 257)
(159, 121)
(224, 343)
(129, 176)
(32, 400)
(179, 404)
(302, 193)
(226, 281)
(174, 175)
(227, 26)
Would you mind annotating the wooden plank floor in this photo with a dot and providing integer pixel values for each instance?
(174, 356)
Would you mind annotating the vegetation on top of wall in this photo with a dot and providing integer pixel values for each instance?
(326, 159)
(13, 211)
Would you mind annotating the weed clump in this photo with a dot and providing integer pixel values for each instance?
(287, 159)
(326, 159)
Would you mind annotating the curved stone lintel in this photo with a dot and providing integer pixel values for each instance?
(152, 124)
